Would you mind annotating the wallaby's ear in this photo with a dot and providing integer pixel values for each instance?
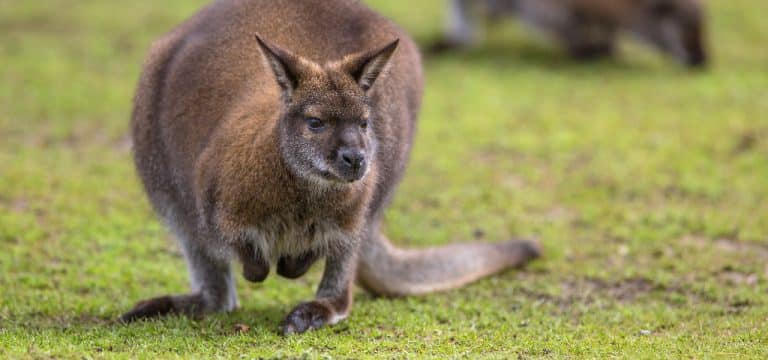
(287, 67)
(365, 68)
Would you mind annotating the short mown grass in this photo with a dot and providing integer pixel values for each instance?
(647, 185)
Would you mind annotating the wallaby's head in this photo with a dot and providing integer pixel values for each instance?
(675, 27)
(327, 121)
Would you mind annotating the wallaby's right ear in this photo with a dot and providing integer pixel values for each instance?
(287, 67)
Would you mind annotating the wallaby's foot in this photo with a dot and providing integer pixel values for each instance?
(190, 305)
(293, 267)
(150, 308)
(193, 305)
(255, 266)
(310, 316)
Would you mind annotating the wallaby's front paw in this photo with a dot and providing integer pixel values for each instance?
(150, 308)
(255, 267)
(307, 316)
(293, 267)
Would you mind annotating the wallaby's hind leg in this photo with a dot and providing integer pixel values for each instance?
(213, 289)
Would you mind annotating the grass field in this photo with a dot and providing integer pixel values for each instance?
(647, 185)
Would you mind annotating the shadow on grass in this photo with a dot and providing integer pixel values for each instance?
(263, 320)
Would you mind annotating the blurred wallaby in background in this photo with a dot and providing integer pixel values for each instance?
(588, 29)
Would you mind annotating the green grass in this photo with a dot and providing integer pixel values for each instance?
(647, 185)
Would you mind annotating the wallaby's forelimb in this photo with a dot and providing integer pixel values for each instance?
(333, 299)
(255, 264)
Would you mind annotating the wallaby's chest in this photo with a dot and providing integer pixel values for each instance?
(285, 234)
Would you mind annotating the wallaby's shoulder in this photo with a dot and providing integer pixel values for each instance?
(318, 30)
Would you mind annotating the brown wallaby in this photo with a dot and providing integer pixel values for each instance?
(284, 147)
(588, 28)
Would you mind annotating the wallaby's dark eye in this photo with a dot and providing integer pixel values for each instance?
(364, 124)
(315, 124)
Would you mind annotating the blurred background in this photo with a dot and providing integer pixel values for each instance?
(646, 182)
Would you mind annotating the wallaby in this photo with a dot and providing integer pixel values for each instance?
(588, 28)
(275, 132)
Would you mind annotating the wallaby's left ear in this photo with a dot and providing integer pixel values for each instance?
(286, 66)
(365, 68)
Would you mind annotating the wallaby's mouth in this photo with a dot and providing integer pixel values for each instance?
(349, 176)
(344, 176)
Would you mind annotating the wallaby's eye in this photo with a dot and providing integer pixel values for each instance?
(315, 124)
(364, 124)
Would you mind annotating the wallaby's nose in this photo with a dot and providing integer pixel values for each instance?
(353, 159)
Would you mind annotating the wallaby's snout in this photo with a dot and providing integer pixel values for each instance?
(352, 163)
(351, 156)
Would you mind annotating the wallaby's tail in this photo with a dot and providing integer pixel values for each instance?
(387, 270)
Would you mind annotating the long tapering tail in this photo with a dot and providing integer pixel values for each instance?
(387, 270)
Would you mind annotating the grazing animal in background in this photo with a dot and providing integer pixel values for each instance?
(284, 148)
(588, 29)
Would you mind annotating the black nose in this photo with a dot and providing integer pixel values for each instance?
(352, 158)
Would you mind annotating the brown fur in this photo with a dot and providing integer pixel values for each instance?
(226, 149)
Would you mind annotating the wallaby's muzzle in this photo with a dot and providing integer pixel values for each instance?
(351, 163)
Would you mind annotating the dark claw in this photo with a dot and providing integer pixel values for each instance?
(295, 267)
(150, 308)
(307, 316)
